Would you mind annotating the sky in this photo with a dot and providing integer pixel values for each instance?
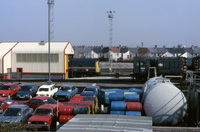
(85, 22)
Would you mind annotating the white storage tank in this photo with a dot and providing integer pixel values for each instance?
(163, 101)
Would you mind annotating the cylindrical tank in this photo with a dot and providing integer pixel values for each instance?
(133, 106)
(133, 113)
(118, 106)
(66, 109)
(116, 96)
(163, 101)
(65, 118)
(132, 97)
(117, 112)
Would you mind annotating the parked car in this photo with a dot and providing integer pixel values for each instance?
(27, 91)
(44, 117)
(5, 102)
(40, 100)
(47, 90)
(66, 92)
(8, 90)
(16, 113)
(90, 91)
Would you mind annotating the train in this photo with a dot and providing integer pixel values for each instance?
(145, 68)
(83, 67)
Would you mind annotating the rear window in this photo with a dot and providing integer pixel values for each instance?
(4, 87)
(8, 101)
(44, 89)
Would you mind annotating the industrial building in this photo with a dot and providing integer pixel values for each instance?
(24, 60)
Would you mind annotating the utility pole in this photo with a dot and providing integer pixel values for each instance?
(50, 32)
(110, 16)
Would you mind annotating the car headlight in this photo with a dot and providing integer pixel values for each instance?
(29, 122)
(28, 95)
(3, 94)
(46, 123)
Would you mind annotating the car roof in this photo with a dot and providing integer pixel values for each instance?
(47, 106)
(47, 86)
(41, 97)
(9, 84)
(67, 86)
(30, 84)
(93, 87)
(2, 98)
(18, 106)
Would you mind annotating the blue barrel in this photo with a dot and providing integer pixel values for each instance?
(132, 97)
(139, 91)
(81, 110)
(133, 113)
(118, 105)
(116, 96)
(122, 90)
(117, 112)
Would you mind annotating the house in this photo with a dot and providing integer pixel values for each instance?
(125, 53)
(114, 53)
(156, 52)
(133, 53)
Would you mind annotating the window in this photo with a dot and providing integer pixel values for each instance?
(32, 57)
(34, 102)
(40, 102)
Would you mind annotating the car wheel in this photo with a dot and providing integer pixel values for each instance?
(9, 96)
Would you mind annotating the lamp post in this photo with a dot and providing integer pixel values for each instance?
(110, 16)
(50, 34)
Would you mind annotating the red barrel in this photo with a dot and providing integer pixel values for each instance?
(66, 109)
(78, 98)
(65, 118)
(90, 102)
(133, 106)
(74, 102)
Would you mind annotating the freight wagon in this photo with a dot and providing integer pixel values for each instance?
(83, 67)
(149, 67)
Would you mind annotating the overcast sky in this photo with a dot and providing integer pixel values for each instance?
(85, 22)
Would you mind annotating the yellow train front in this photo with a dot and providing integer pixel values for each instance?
(83, 67)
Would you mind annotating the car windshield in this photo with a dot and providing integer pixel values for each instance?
(66, 89)
(12, 112)
(8, 101)
(43, 89)
(50, 101)
(4, 87)
(43, 112)
(26, 88)
(88, 90)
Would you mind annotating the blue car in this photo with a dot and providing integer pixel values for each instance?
(16, 114)
(27, 91)
(66, 92)
(90, 91)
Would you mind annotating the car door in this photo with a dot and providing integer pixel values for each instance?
(3, 105)
(33, 103)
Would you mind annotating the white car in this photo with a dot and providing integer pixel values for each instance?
(47, 90)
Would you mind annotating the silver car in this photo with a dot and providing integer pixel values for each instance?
(16, 114)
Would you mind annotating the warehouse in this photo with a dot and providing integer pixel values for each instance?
(30, 60)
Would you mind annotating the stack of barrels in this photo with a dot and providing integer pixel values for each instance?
(77, 105)
(126, 102)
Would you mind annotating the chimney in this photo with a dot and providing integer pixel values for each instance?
(156, 46)
(174, 47)
(192, 47)
(120, 46)
(142, 44)
(164, 46)
(102, 46)
(138, 47)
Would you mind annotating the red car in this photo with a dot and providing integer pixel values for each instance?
(40, 100)
(5, 102)
(45, 117)
(8, 90)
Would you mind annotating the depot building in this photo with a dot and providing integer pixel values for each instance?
(30, 60)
